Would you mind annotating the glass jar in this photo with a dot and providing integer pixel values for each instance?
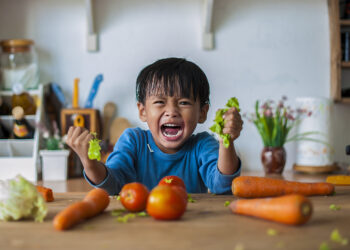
(18, 64)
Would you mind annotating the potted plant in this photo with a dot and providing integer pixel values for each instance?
(274, 122)
(54, 155)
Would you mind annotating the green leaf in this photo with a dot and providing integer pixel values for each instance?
(117, 212)
(233, 102)
(336, 237)
(334, 207)
(189, 199)
(142, 214)
(324, 246)
(227, 203)
(219, 121)
(94, 152)
(271, 232)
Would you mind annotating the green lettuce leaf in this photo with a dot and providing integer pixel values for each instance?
(19, 199)
(219, 121)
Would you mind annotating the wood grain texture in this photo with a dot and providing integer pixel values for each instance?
(335, 49)
(207, 224)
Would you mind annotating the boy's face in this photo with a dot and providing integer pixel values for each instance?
(171, 119)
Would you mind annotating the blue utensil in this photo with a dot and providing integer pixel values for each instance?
(93, 91)
(59, 94)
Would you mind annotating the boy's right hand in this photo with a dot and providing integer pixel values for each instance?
(78, 139)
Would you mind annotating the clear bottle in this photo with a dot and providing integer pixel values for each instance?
(23, 99)
(21, 127)
(18, 63)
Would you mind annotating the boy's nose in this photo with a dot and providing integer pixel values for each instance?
(171, 111)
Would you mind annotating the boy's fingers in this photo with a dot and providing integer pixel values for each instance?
(83, 135)
(87, 138)
(70, 131)
(76, 133)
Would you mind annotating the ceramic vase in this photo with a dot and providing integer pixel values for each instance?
(273, 159)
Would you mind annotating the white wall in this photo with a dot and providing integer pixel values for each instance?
(263, 49)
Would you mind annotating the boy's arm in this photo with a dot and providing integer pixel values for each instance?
(78, 139)
(228, 162)
(96, 171)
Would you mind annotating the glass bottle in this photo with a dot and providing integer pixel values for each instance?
(4, 133)
(21, 127)
(18, 63)
(23, 99)
(4, 108)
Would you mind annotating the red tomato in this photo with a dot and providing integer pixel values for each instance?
(182, 191)
(166, 203)
(134, 196)
(172, 180)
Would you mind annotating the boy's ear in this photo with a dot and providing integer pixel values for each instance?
(203, 113)
(142, 111)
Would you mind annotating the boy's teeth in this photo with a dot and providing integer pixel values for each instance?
(170, 125)
(172, 135)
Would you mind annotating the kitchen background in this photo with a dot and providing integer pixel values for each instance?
(263, 49)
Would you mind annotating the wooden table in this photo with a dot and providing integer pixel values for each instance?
(207, 224)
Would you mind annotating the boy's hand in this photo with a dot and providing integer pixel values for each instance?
(78, 139)
(233, 123)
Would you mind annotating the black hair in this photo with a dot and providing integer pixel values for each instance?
(172, 76)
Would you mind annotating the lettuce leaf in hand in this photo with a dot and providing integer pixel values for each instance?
(219, 121)
(19, 199)
(94, 152)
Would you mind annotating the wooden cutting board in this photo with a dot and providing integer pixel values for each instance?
(207, 224)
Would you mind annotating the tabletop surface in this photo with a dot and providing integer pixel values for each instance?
(207, 224)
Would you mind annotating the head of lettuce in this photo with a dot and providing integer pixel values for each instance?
(19, 199)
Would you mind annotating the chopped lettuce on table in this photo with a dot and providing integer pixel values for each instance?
(19, 199)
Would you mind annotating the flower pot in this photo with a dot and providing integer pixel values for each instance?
(273, 159)
(54, 164)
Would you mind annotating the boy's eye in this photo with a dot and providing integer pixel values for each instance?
(158, 102)
(185, 103)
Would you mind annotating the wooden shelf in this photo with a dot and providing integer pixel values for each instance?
(345, 64)
(345, 100)
(336, 63)
(345, 22)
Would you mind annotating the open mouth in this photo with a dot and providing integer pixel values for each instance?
(172, 131)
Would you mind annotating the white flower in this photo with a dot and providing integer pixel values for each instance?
(46, 134)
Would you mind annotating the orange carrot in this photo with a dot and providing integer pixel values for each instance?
(93, 203)
(293, 209)
(46, 193)
(253, 187)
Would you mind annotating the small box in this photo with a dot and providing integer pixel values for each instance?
(89, 118)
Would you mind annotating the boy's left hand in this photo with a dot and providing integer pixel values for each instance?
(233, 123)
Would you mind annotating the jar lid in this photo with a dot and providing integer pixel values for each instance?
(18, 112)
(16, 45)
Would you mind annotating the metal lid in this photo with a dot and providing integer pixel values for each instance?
(16, 45)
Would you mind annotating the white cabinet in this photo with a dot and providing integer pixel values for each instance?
(21, 156)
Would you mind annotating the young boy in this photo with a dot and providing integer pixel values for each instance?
(172, 98)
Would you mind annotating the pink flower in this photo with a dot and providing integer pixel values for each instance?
(268, 112)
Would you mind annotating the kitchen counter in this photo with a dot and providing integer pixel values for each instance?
(207, 224)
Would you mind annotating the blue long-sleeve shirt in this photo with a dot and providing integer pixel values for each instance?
(136, 158)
